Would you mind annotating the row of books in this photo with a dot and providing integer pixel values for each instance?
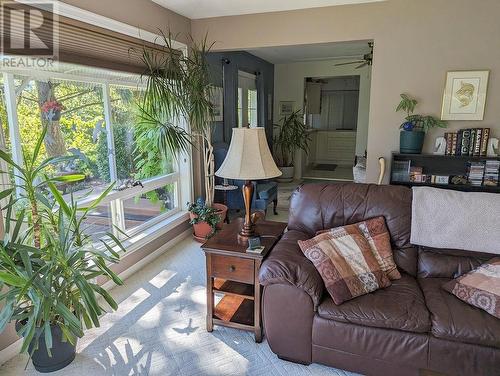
(479, 173)
(470, 142)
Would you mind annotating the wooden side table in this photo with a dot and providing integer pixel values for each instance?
(234, 273)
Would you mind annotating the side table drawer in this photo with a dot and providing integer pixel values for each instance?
(233, 268)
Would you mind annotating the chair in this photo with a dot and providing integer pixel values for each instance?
(265, 191)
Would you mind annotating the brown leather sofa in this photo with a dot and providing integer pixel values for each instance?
(410, 327)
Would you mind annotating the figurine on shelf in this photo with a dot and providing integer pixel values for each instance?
(440, 146)
(492, 150)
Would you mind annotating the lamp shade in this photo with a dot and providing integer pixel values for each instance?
(248, 157)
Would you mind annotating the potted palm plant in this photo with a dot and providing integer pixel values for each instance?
(179, 86)
(48, 264)
(414, 128)
(291, 136)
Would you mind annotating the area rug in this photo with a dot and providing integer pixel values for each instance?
(159, 329)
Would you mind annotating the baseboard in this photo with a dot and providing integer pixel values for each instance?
(149, 258)
(12, 350)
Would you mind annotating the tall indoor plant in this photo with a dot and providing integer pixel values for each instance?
(179, 87)
(48, 264)
(291, 136)
(413, 130)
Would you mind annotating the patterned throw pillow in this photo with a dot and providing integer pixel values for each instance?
(480, 287)
(345, 262)
(376, 233)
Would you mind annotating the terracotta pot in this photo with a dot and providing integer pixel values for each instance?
(222, 212)
(202, 229)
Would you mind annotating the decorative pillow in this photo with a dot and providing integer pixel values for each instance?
(376, 233)
(345, 262)
(480, 287)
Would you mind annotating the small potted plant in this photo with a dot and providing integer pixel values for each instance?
(51, 110)
(292, 136)
(205, 219)
(411, 137)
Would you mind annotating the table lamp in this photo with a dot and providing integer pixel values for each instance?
(248, 158)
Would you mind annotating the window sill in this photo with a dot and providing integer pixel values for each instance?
(149, 234)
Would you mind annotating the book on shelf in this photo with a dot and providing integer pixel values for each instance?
(472, 141)
(477, 143)
(448, 139)
(458, 149)
(484, 142)
(454, 137)
(465, 142)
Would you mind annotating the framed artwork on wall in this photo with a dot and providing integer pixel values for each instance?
(464, 95)
(286, 108)
(218, 102)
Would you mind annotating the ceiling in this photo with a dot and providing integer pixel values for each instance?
(312, 52)
(214, 8)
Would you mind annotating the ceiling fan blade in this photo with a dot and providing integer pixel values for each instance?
(350, 62)
(361, 65)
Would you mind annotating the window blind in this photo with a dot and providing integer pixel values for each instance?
(80, 42)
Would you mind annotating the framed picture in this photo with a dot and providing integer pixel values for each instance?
(286, 108)
(218, 102)
(464, 95)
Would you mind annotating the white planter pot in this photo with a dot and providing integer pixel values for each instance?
(286, 175)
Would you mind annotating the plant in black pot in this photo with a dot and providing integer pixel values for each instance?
(48, 262)
(413, 130)
(292, 135)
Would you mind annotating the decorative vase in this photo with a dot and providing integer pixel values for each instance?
(63, 353)
(286, 174)
(411, 142)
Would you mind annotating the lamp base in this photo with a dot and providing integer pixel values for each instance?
(248, 229)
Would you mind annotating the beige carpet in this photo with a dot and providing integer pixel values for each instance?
(159, 329)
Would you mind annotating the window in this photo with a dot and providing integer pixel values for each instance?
(252, 107)
(96, 118)
(247, 99)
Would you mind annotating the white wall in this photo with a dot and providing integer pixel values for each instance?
(289, 86)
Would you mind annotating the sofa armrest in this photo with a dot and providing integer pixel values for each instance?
(286, 264)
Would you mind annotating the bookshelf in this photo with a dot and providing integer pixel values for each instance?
(447, 165)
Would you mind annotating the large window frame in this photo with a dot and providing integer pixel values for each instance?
(181, 177)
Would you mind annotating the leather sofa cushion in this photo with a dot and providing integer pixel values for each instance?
(448, 263)
(455, 320)
(400, 306)
(321, 206)
(286, 264)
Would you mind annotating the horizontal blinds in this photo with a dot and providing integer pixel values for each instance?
(81, 43)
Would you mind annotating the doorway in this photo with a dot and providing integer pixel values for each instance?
(331, 107)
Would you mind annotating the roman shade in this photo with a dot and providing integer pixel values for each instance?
(80, 42)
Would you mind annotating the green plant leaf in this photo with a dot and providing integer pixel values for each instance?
(6, 313)
(11, 279)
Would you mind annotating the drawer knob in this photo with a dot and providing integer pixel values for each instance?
(232, 268)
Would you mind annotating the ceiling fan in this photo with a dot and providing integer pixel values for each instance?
(367, 59)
